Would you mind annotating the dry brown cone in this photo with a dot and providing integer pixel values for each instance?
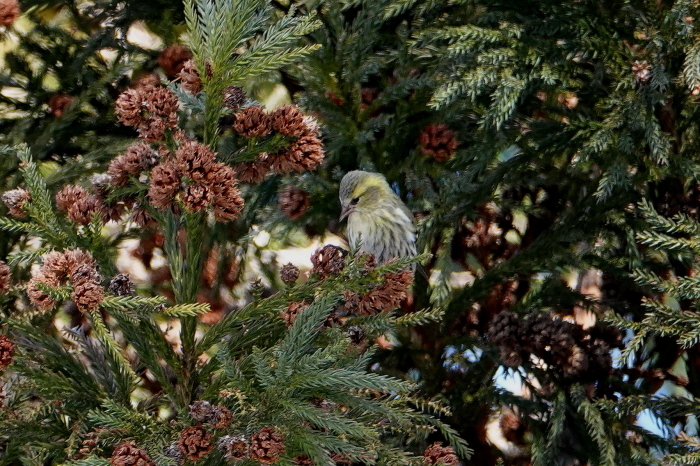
(289, 273)
(84, 209)
(7, 351)
(195, 442)
(14, 199)
(197, 197)
(234, 447)
(165, 183)
(128, 454)
(253, 172)
(172, 59)
(142, 218)
(266, 446)
(9, 12)
(194, 160)
(302, 460)
(289, 315)
(328, 260)
(87, 290)
(39, 299)
(234, 97)
(642, 71)
(129, 107)
(69, 195)
(387, 296)
(121, 285)
(438, 141)
(189, 78)
(303, 154)
(439, 455)
(293, 202)
(201, 411)
(252, 122)
(221, 417)
(126, 164)
(4, 277)
(57, 264)
(341, 460)
(288, 121)
(146, 82)
(59, 103)
(228, 202)
(161, 105)
(87, 445)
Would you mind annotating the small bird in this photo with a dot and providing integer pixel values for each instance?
(379, 223)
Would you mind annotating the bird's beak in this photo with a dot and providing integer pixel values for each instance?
(347, 210)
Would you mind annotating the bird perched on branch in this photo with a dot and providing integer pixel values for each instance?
(379, 223)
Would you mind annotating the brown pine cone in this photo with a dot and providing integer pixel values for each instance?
(7, 351)
(304, 154)
(289, 273)
(172, 59)
(201, 411)
(253, 172)
(328, 260)
(14, 199)
(129, 107)
(69, 195)
(165, 182)
(126, 164)
(293, 202)
(505, 329)
(642, 71)
(87, 290)
(221, 417)
(438, 141)
(9, 12)
(121, 285)
(289, 315)
(228, 202)
(128, 454)
(234, 97)
(197, 197)
(234, 448)
(146, 82)
(84, 209)
(195, 442)
(252, 122)
(302, 460)
(266, 446)
(439, 455)
(194, 160)
(4, 277)
(387, 296)
(161, 105)
(288, 121)
(189, 78)
(39, 299)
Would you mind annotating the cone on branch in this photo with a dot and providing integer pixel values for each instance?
(5, 277)
(289, 315)
(293, 202)
(121, 285)
(289, 273)
(289, 121)
(7, 352)
(438, 455)
(234, 97)
(234, 447)
(438, 141)
(172, 59)
(59, 103)
(195, 442)
(15, 199)
(304, 154)
(255, 171)
(266, 446)
(189, 78)
(328, 260)
(252, 122)
(128, 454)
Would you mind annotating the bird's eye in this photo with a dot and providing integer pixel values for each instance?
(355, 200)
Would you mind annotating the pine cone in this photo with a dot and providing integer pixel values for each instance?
(293, 202)
(439, 455)
(356, 334)
(253, 172)
(87, 445)
(234, 448)
(302, 460)
(130, 106)
(121, 285)
(39, 299)
(146, 82)
(195, 442)
(7, 351)
(438, 141)
(252, 122)
(189, 78)
(59, 103)
(197, 197)
(234, 97)
(14, 199)
(289, 315)
(87, 290)
(9, 12)
(69, 195)
(127, 164)
(194, 160)
(504, 329)
(128, 454)
(85, 209)
(221, 417)
(228, 202)
(162, 106)
(328, 260)
(165, 182)
(642, 71)
(387, 296)
(289, 273)
(576, 363)
(266, 446)
(201, 411)
(173, 59)
(302, 155)
(288, 121)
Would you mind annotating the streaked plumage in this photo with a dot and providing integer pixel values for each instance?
(379, 223)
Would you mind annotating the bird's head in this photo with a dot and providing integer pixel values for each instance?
(363, 192)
